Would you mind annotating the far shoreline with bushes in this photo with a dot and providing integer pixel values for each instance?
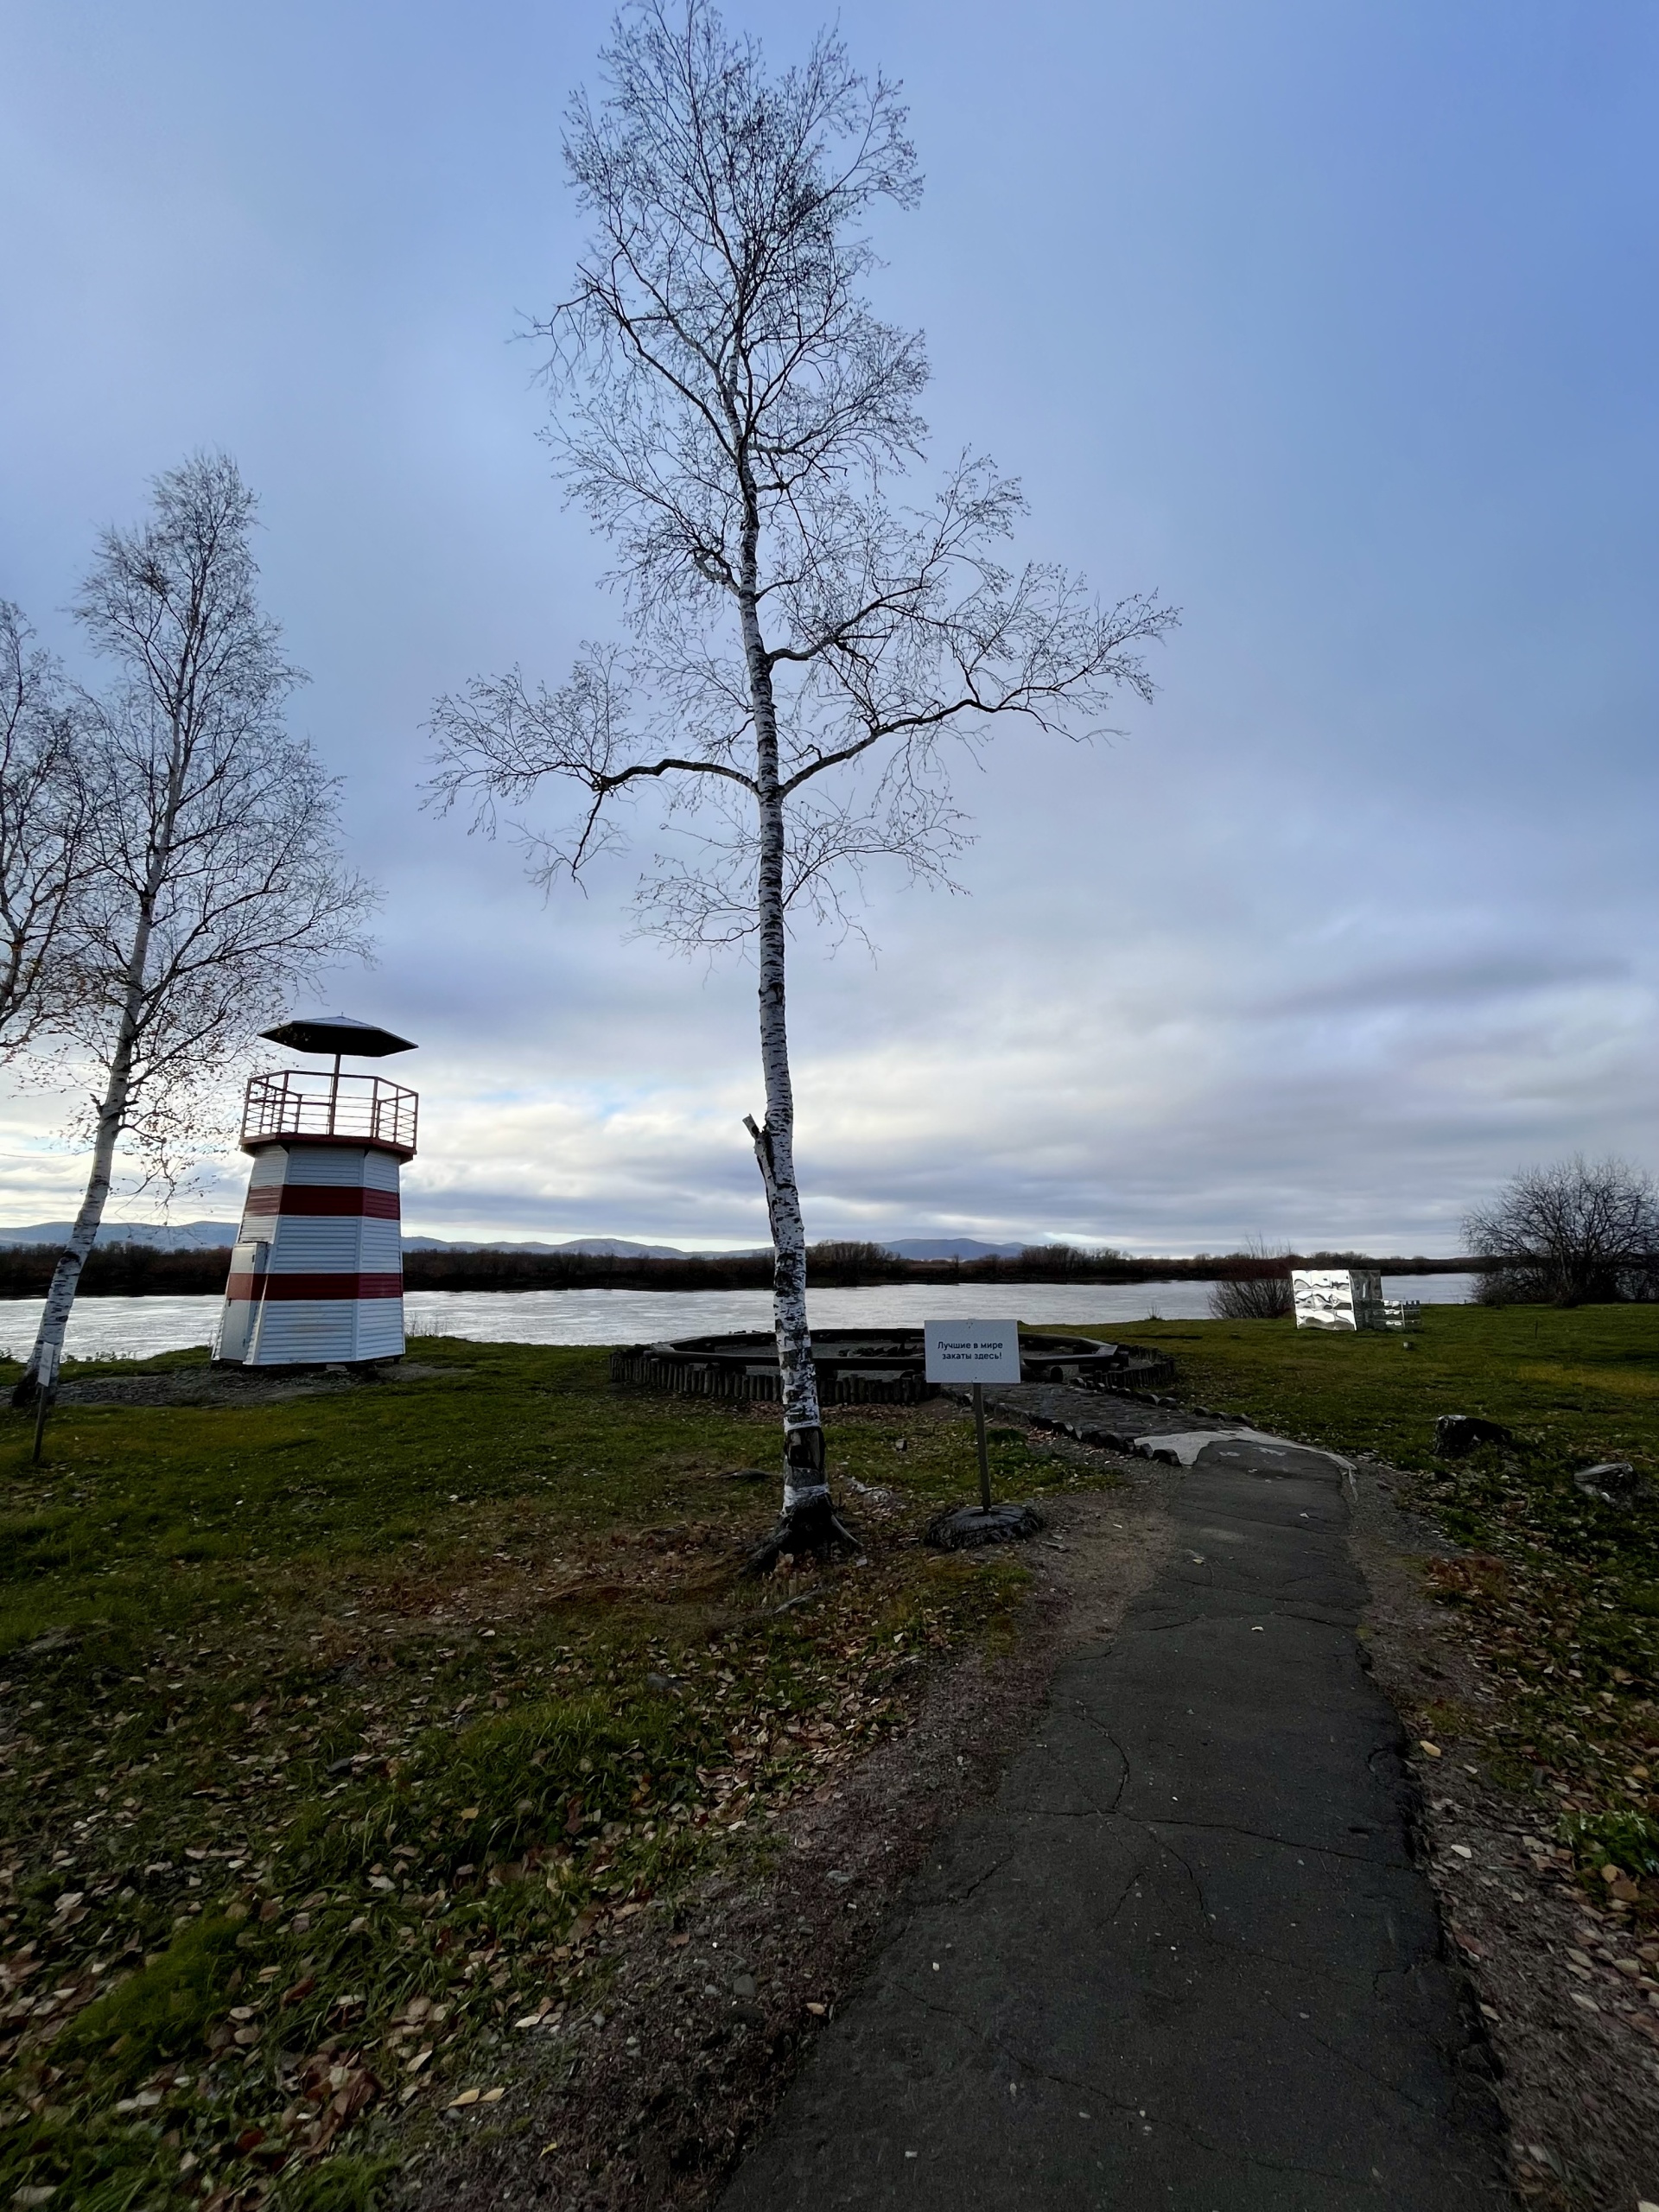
(136, 1270)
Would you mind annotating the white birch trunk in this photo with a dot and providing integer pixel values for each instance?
(806, 1491)
(41, 1372)
(47, 1358)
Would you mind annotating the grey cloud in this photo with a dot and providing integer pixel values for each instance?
(1355, 918)
(1449, 983)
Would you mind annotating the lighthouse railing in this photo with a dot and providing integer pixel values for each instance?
(294, 1102)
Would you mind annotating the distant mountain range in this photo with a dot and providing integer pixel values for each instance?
(201, 1236)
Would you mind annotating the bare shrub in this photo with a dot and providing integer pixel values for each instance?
(1575, 1233)
(1258, 1289)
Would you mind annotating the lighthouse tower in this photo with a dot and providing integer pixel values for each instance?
(317, 1273)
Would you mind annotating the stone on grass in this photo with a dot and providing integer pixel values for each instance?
(961, 1526)
(1613, 1481)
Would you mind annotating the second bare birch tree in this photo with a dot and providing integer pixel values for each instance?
(213, 881)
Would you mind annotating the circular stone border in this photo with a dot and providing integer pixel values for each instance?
(868, 1366)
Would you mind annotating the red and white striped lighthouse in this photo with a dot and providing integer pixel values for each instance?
(317, 1273)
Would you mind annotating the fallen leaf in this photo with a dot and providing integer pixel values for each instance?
(817, 2009)
(1432, 1750)
(491, 2096)
(466, 2097)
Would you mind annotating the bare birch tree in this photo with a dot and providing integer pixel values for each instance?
(733, 414)
(214, 881)
(42, 836)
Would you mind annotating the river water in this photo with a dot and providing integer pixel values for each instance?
(134, 1328)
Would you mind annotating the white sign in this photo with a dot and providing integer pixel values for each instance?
(972, 1351)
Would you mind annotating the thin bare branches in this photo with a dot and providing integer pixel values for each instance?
(43, 823)
(731, 413)
(717, 333)
(500, 739)
(214, 880)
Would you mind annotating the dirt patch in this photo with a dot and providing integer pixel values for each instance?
(646, 2094)
(1569, 1997)
(240, 1386)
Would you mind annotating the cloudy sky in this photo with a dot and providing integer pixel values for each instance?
(1334, 324)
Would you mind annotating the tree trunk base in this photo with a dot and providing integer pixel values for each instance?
(26, 1389)
(811, 1531)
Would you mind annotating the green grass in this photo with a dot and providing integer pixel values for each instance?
(1579, 1384)
(337, 1733)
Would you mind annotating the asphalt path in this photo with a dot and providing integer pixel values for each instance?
(1185, 1959)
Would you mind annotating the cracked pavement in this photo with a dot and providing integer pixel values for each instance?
(1186, 1959)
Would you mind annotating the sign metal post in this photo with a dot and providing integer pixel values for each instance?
(984, 1454)
(975, 1352)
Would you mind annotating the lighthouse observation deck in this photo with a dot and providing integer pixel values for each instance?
(331, 1108)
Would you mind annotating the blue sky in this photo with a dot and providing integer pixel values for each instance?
(1334, 323)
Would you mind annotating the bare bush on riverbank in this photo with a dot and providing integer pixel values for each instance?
(1256, 1289)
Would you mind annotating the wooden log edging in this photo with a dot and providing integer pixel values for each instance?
(854, 1375)
(640, 1367)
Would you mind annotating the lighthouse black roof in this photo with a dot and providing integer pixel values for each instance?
(337, 1032)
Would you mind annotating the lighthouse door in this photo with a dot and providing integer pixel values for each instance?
(244, 1302)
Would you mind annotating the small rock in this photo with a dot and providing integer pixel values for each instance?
(743, 1985)
(1613, 1481)
(1456, 1433)
(54, 1639)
